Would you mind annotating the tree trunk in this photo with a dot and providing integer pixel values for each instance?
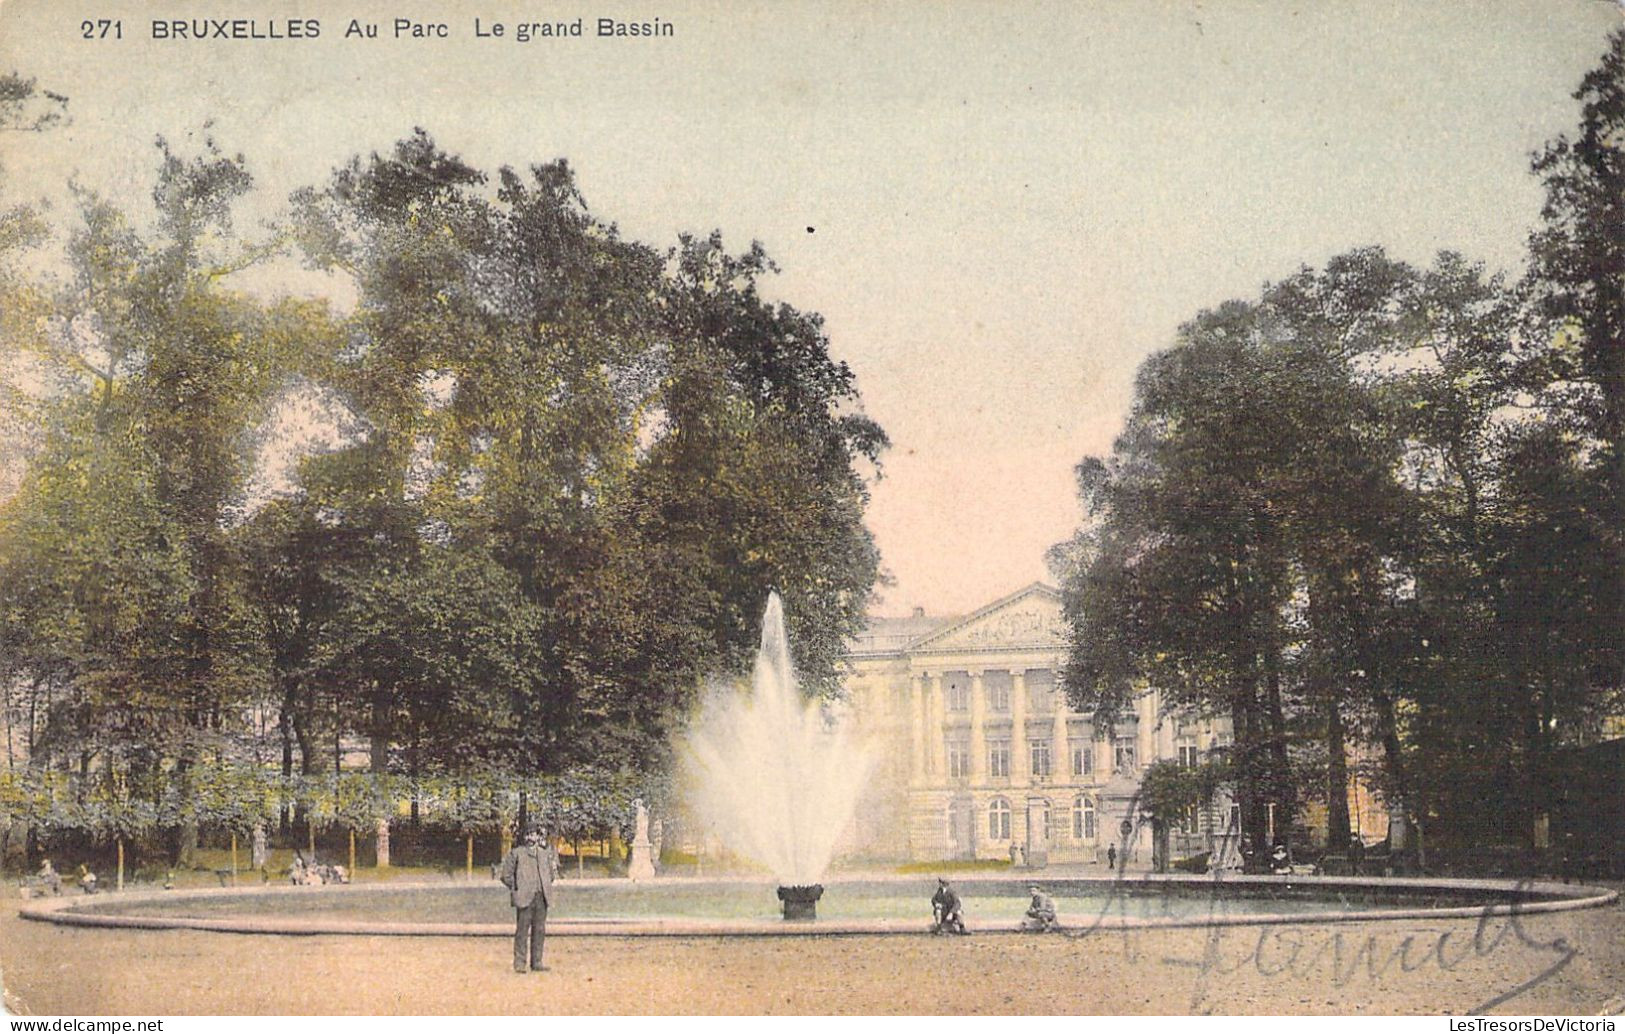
(120, 863)
(1392, 751)
(307, 742)
(1337, 780)
(1250, 787)
(186, 853)
(285, 730)
(382, 732)
(352, 852)
(1280, 777)
(186, 844)
(379, 734)
(234, 857)
(470, 862)
(415, 770)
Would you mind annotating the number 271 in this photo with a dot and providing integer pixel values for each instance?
(101, 28)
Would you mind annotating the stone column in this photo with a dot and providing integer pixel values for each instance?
(1019, 763)
(934, 728)
(383, 843)
(1145, 744)
(978, 734)
(1060, 756)
(1166, 747)
(1106, 756)
(916, 728)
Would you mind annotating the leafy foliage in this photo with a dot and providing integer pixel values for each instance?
(1377, 511)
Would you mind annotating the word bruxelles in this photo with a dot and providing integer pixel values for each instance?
(396, 28)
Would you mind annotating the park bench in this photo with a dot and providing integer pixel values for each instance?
(1336, 865)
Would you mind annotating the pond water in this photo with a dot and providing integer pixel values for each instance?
(889, 899)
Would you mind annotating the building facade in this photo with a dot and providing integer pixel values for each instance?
(980, 756)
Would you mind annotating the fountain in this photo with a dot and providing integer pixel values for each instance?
(801, 902)
(775, 776)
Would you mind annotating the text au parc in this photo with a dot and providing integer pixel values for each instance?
(518, 32)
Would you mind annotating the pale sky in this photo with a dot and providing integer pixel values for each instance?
(1013, 204)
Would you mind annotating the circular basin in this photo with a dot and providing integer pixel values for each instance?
(851, 905)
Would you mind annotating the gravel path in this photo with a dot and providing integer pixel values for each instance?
(1431, 967)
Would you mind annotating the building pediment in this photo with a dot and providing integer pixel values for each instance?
(1030, 619)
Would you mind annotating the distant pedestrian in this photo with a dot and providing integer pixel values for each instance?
(87, 879)
(1280, 859)
(1111, 857)
(48, 877)
(528, 873)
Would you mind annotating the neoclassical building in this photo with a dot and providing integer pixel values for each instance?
(980, 753)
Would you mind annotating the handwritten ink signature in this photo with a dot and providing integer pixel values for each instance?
(1307, 951)
(1304, 952)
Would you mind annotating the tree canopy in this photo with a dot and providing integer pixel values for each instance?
(1376, 512)
(570, 468)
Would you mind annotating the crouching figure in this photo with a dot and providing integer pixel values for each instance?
(1041, 913)
(947, 912)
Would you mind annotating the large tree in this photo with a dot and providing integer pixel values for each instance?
(1577, 255)
(123, 579)
(638, 440)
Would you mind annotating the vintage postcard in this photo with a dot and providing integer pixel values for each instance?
(812, 507)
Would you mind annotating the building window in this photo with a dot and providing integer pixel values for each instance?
(1235, 819)
(1039, 751)
(958, 759)
(998, 696)
(1187, 755)
(1083, 818)
(1189, 820)
(1039, 697)
(1123, 754)
(958, 696)
(998, 819)
(1083, 757)
(998, 759)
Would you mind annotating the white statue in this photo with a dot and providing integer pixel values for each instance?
(641, 866)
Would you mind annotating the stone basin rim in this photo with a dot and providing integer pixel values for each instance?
(1520, 897)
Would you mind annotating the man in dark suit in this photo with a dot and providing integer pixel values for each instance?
(528, 872)
(946, 910)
